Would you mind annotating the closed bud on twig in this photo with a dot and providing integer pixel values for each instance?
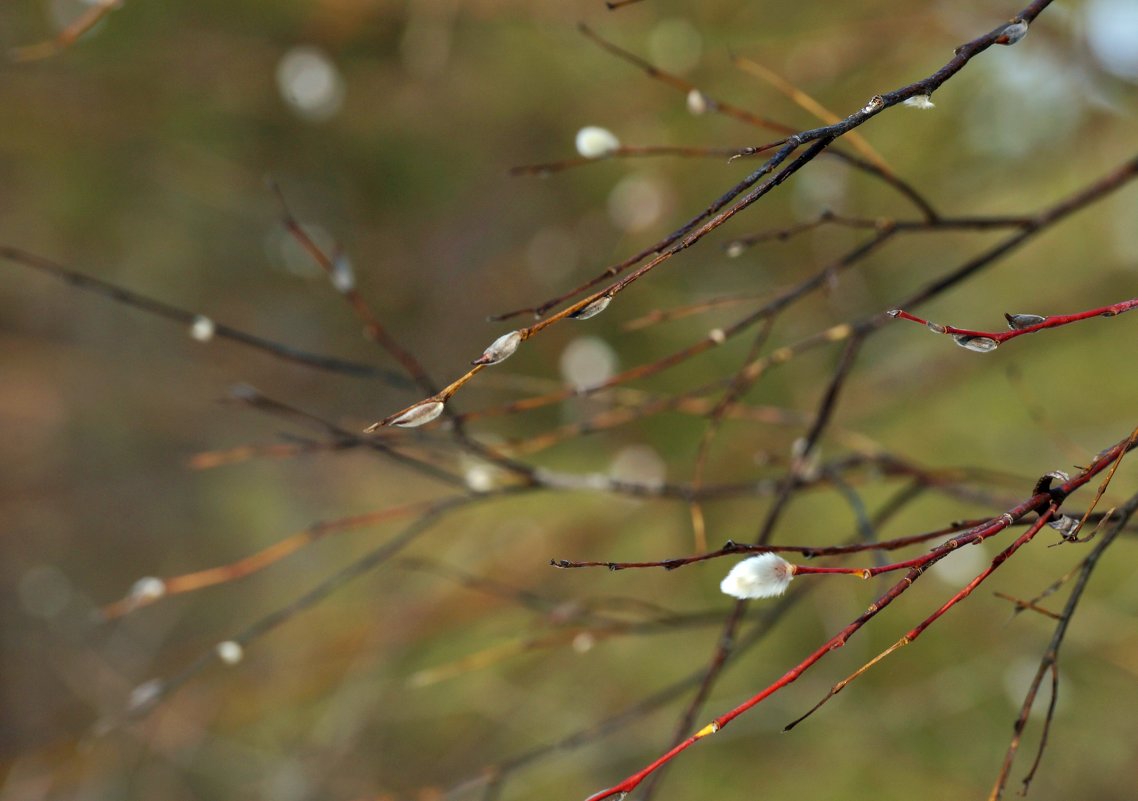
(977, 344)
(147, 590)
(936, 328)
(592, 309)
(230, 652)
(202, 329)
(764, 576)
(1018, 322)
(500, 349)
(697, 102)
(144, 695)
(923, 102)
(418, 415)
(244, 392)
(594, 142)
(343, 276)
(1013, 32)
(734, 249)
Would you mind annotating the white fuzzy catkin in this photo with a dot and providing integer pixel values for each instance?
(343, 277)
(697, 102)
(419, 414)
(594, 142)
(202, 329)
(147, 589)
(593, 309)
(920, 101)
(501, 348)
(762, 576)
(230, 652)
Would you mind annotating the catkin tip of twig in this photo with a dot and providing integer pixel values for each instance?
(594, 142)
(202, 328)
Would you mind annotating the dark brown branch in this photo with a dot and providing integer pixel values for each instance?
(160, 309)
(1049, 662)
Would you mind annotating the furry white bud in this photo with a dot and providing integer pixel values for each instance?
(230, 652)
(734, 249)
(923, 102)
(202, 329)
(697, 102)
(148, 589)
(418, 415)
(1018, 322)
(762, 576)
(144, 695)
(592, 309)
(594, 142)
(978, 344)
(343, 277)
(500, 349)
(1015, 30)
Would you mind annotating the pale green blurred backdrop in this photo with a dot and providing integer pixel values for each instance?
(139, 156)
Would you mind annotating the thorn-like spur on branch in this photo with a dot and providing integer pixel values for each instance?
(201, 328)
(1041, 503)
(1019, 324)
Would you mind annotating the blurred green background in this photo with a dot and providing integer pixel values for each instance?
(139, 156)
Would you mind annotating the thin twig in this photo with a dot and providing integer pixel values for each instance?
(1049, 661)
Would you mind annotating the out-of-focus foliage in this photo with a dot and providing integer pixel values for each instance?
(139, 155)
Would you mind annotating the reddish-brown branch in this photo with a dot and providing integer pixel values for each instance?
(1037, 503)
(373, 329)
(719, 106)
(914, 633)
(1049, 662)
(810, 440)
(1019, 324)
(779, 167)
(247, 566)
(732, 548)
(719, 656)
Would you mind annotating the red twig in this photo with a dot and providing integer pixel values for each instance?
(1019, 324)
(1049, 662)
(1037, 503)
